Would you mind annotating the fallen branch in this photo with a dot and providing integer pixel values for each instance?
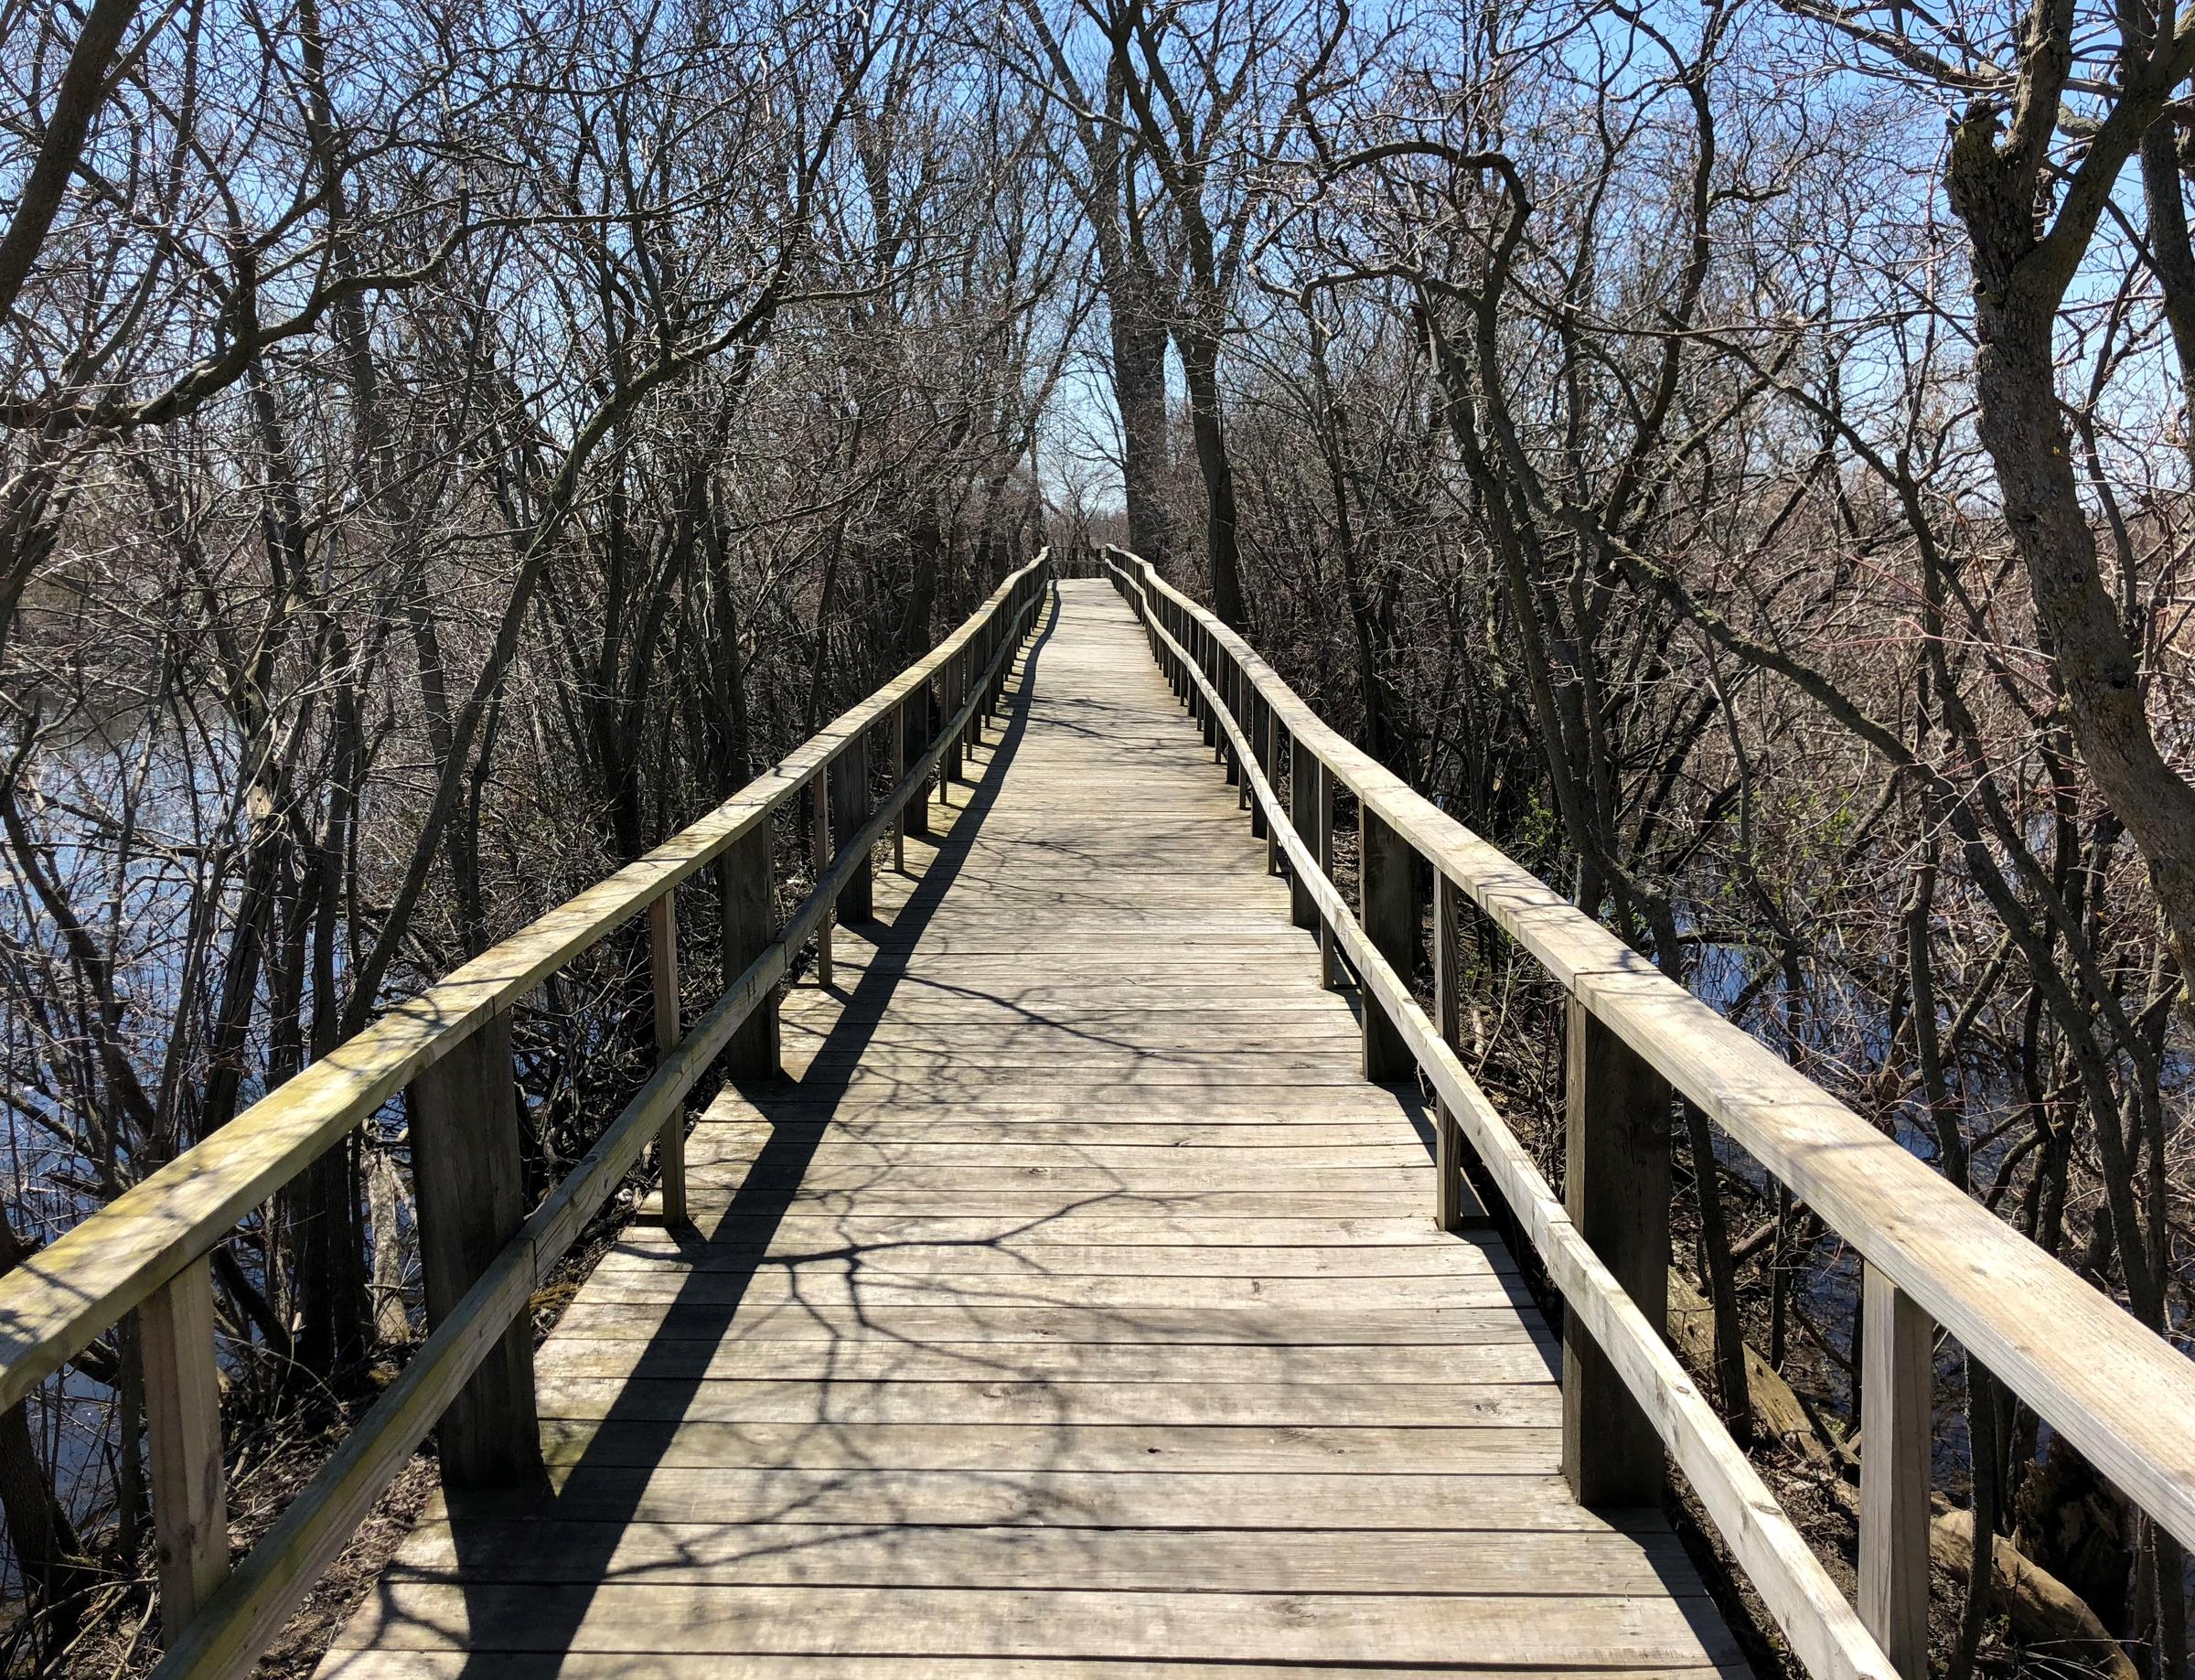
(2043, 1610)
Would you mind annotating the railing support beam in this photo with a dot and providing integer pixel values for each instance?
(1303, 779)
(917, 727)
(470, 1179)
(851, 806)
(747, 898)
(663, 967)
(1616, 1188)
(183, 1422)
(1896, 1396)
(1385, 864)
(1447, 1016)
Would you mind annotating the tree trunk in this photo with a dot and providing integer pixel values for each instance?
(1200, 371)
(1140, 393)
(2023, 429)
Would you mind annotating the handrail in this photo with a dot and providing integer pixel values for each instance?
(2121, 1394)
(134, 1252)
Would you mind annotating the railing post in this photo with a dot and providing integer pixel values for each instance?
(1389, 915)
(952, 689)
(1268, 761)
(917, 724)
(747, 901)
(818, 829)
(1214, 735)
(1330, 957)
(1896, 1395)
(1616, 1187)
(183, 1421)
(663, 964)
(1447, 1016)
(469, 1180)
(1230, 697)
(971, 668)
(1303, 779)
(899, 775)
(850, 808)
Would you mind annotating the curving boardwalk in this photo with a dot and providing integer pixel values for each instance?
(1073, 1309)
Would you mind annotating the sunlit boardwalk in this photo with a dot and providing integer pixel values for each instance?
(1072, 1307)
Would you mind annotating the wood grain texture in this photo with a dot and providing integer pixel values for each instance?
(183, 1427)
(1897, 1432)
(469, 1182)
(1074, 1301)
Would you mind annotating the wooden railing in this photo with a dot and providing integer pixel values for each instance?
(482, 1253)
(2122, 1395)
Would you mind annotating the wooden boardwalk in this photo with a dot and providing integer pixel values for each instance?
(1073, 1309)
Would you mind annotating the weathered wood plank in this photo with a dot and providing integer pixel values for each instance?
(946, 1623)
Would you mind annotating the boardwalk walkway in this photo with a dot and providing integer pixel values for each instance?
(1073, 1309)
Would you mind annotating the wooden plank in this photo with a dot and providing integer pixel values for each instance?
(807, 1230)
(368, 1665)
(1384, 865)
(1551, 1564)
(945, 1624)
(663, 969)
(1036, 1379)
(890, 1257)
(1123, 1295)
(469, 1185)
(1897, 1435)
(1200, 1448)
(1616, 1189)
(1255, 1172)
(183, 1428)
(1092, 1294)
(979, 1317)
(705, 1200)
(1074, 1499)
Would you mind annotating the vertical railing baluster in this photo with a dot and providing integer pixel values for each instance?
(183, 1423)
(1616, 1187)
(747, 926)
(1330, 957)
(469, 1178)
(1896, 1398)
(1303, 779)
(918, 727)
(819, 848)
(1269, 762)
(1447, 1011)
(1388, 911)
(899, 775)
(851, 804)
(663, 965)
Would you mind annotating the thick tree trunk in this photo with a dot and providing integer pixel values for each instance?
(1138, 344)
(1200, 372)
(2024, 430)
